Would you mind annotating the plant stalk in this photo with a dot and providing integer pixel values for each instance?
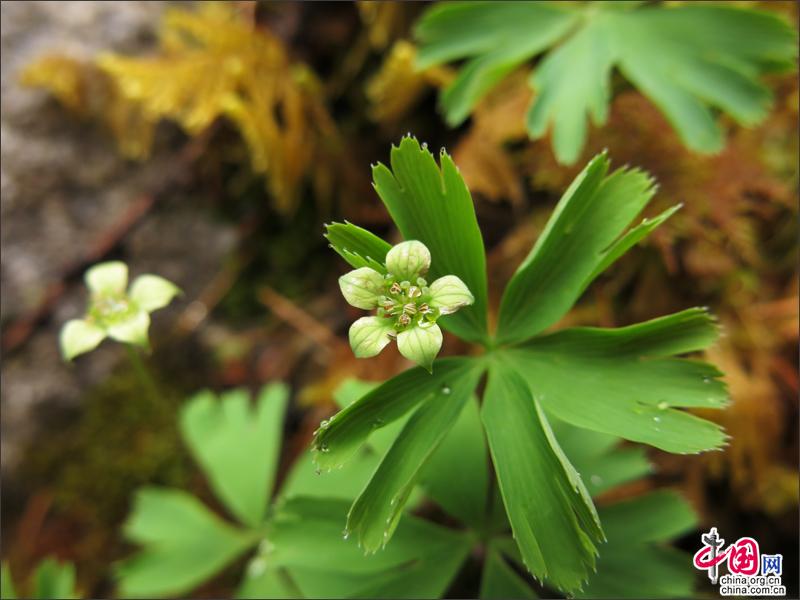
(142, 372)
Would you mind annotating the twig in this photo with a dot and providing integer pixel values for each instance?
(299, 319)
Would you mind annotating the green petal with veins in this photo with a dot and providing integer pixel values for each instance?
(408, 260)
(449, 293)
(151, 292)
(132, 330)
(362, 287)
(79, 336)
(420, 344)
(107, 278)
(369, 335)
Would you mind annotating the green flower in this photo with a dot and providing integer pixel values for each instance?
(407, 307)
(114, 312)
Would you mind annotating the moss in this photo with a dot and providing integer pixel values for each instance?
(124, 438)
(92, 463)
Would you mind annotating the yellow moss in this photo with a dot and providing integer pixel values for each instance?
(398, 85)
(211, 63)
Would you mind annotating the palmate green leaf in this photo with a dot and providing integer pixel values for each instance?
(632, 237)
(566, 102)
(377, 511)
(262, 581)
(633, 527)
(54, 580)
(625, 382)
(338, 438)
(498, 34)
(359, 247)
(550, 511)
(433, 205)
(307, 542)
(183, 544)
(237, 445)
(499, 581)
(635, 562)
(346, 482)
(655, 517)
(578, 238)
(602, 463)
(688, 59)
(457, 474)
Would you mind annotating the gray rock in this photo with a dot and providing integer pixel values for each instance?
(63, 184)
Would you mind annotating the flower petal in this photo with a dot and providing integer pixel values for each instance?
(449, 293)
(151, 292)
(408, 260)
(362, 287)
(369, 335)
(421, 344)
(79, 336)
(107, 278)
(132, 330)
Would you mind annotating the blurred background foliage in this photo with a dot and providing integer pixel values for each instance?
(239, 129)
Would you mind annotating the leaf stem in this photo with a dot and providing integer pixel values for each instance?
(142, 373)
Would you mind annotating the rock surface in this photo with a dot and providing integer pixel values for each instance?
(63, 186)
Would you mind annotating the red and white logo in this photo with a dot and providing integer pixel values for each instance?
(750, 573)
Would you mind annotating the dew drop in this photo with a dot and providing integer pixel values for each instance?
(378, 423)
(256, 567)
(323, 447)
(424, 145)
(446, 390)
(706, 379)
(657, 419)
(663, 406)
(346, 533)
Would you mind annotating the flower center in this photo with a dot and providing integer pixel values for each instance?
(109, 309)
(406, 303)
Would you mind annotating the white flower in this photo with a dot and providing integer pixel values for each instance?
(112, 312)
(407, 308)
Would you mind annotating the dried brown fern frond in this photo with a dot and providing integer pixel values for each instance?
(213, 63)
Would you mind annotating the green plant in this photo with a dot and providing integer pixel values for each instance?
(295, 541)
(300, 548)
(625, 382)
(52, 580)
(690, 60)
